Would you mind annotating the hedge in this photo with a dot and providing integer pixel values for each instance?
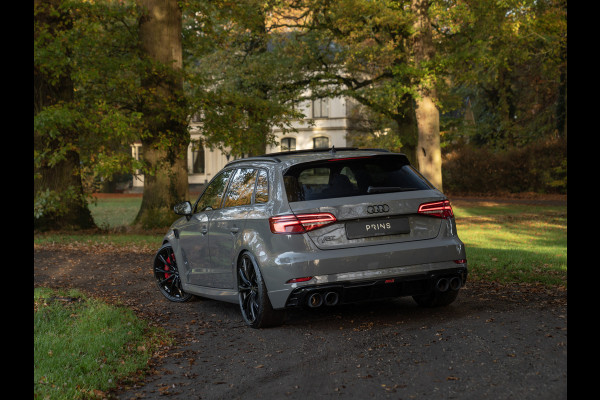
(538, 167)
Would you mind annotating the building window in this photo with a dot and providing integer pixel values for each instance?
(321, 142)
(320, 108)
(197, 158)
(288, 144)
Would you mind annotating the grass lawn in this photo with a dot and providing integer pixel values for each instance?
(113, 212)
(82, 346)
(515, 243)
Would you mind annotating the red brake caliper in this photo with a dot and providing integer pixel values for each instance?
(167, 275)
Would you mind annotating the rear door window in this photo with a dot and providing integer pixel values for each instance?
(241, 188)
(351, 177)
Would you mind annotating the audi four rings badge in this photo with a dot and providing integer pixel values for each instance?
(380, 208)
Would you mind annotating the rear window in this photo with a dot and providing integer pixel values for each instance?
(351, 177)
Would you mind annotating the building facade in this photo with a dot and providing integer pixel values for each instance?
(330, 126)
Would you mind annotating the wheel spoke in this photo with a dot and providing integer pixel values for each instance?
(245, 284)
(253, 306)
(160, 256)
(162, 282)
(161, 270)
(177, 283)
(247, 308)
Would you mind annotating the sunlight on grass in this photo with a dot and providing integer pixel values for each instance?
(515, 243)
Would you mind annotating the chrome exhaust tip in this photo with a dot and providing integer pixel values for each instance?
(455, 283)
(331, 298)
(315, 300)
(442, 285)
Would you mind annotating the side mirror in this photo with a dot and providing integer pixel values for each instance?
(184, 208)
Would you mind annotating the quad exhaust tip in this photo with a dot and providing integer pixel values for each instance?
(443, 284)
(331, 299)
(455, 283)
(317, 299)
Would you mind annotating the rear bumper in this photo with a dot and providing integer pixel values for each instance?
(390, 285)
(356, 265)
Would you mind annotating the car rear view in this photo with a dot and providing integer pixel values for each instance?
(375, 228)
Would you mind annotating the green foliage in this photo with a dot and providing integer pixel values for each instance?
(507, 58)
(240, 75)
(52, 202)
(86, 90)
(82, 346)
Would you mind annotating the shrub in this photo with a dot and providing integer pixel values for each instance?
(539, 167)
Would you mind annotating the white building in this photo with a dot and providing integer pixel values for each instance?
(330, 126)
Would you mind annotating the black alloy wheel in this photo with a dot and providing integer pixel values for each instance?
(167, 277)
(254, 302)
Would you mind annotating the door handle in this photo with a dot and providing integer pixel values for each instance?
(235, 230)
(204, 230)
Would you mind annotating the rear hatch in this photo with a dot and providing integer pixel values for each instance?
(374, 199)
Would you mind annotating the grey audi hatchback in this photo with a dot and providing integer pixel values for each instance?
(314, 229)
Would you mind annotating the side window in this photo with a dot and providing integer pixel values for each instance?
(212, 196)
(262, 187)
(241, 188)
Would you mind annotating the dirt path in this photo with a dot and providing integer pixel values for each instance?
(495, 342)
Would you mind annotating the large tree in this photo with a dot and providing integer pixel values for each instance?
(163, 105)
(59, 200)
(427, 113)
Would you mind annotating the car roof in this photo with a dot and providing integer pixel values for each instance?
(289, 158)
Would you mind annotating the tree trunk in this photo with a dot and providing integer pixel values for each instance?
(165, 142)
(428, 116)
(62, 178)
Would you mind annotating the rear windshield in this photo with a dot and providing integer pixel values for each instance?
(351, 177)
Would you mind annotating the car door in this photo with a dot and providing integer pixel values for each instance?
(225, 226)
(193, 236)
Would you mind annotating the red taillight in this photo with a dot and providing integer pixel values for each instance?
(300, 223)
(296, 280)
(440, 209)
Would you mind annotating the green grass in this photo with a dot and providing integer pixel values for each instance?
(83, 346)
(515, 243)
(113, 216)
(115, 212)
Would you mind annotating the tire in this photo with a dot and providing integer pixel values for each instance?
(436, 299)
(167, 277)
(255, 306)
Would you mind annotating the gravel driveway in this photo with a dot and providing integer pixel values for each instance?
(494, 342)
